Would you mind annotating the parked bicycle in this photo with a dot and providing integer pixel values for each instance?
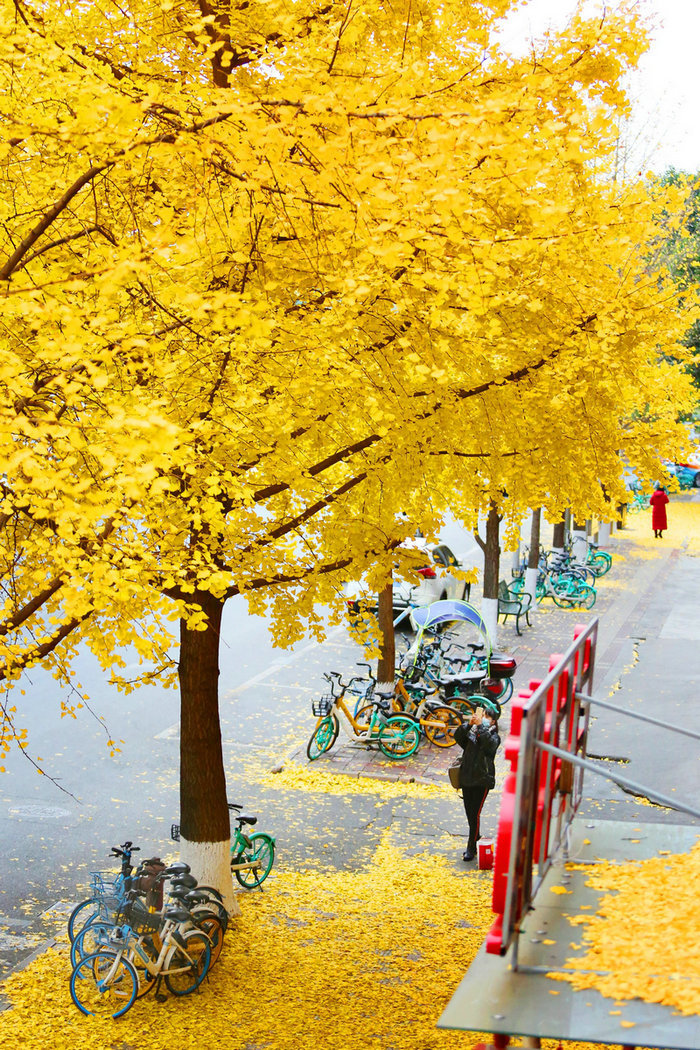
(108, 891)
(252, 856)
(397, 736)
(138, 950)
(204, 905)
(566, 591)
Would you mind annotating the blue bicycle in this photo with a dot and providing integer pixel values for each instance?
(108, 892)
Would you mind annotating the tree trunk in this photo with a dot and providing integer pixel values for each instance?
(205, 835)
(559, 535)
(533, 560)
(492, 551)
(605, 526)
(386, 668)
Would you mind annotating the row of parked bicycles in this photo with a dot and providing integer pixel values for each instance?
(439, 685)
(566, 580)
(441, 682)
(152, 924)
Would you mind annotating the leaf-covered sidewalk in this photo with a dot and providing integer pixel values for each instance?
(351, 960)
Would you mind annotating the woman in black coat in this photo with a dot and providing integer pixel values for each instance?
(477, 774)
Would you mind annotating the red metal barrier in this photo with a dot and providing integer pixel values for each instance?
(541, 793)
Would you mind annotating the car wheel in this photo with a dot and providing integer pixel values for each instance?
(696, 480)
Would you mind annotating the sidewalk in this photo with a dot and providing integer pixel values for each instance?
(632, 601)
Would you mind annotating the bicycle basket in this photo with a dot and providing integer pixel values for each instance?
(321, 707)
(103, 883)
(175, 832)
(138, 918)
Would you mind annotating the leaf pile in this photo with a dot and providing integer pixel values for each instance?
(645, 936)
(305, 778)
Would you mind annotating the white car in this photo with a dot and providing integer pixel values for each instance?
(430, 581)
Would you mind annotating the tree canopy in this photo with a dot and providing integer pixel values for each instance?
(275, 271)
(680, 244)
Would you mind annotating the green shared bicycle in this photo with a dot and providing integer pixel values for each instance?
(252, 856)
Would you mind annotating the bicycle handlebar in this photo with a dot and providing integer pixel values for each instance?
(369, 670)
(126, 850)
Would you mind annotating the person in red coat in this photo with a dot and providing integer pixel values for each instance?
(658, 511)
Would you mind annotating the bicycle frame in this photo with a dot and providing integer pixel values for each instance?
(169, 945)
(239, 842)
(361, 731)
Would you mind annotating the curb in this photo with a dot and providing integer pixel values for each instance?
(40, 949)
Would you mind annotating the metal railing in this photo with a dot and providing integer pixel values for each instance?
(547, 750)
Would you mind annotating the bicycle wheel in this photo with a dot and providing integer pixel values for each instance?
(188, 961)
(363, 720)
(323, 737)
(586, 597)
(214, 903)
(140, 955)
(439, 724)
(92, 938)
(600, 563)
(211, 924)
(465, 706)
(564, 593)
(262, 850)
(399, 737)
(103, 984)
(83, 914)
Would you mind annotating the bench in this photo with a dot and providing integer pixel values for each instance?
(513, 603)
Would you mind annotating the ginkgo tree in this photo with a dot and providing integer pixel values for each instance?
(276, 273)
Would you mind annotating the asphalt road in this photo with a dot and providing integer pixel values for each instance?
(51, 835)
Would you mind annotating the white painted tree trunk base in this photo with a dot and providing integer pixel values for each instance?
(604, 533)
(530, 587)
(579, 548)
(489, 614)
(211, 866)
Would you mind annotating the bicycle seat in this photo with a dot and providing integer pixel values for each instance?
(247, 820)
(186, 882)
(383, 695)
(414, 687)
(464, 678)
(180, 893)
(177, 914)
(197, 897)
(178, 868)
